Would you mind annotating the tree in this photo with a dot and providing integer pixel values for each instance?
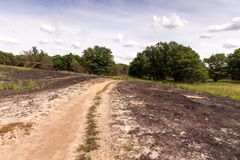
(75, 66)
(57, 62)
(44, 61)
(139, 67)
(36, 59)
(7, 58)
(169, 60)
(98, 60)
(69, 62)
(184, 64)
(217, 66)
(234, 64)
(156, 62)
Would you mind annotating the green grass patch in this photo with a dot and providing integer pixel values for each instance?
(226, 88)
(221, 88)
(21, 85)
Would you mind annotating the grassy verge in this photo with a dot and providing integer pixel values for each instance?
(225, 88)
(91, 129)
(222, 88)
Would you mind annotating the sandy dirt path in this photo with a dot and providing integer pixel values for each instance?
(58, 137)
(106, 149)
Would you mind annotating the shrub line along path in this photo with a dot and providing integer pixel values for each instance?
(59, 136)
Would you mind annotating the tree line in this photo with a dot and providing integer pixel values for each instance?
(221, 66)
(163, 61)
(97, 60)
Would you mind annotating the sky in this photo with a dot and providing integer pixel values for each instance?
(124, 26)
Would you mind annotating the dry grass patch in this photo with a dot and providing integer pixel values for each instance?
(26, 127)
(128, 147)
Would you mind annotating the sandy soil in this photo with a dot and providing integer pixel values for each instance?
(57, 122)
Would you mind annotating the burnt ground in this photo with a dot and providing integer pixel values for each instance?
(33, 74)
(166, 122)
(43, 79)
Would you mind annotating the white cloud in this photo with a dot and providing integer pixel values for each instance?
(48, 28)
(119, 37)
(76, 45)
(170, 22)
(43, 41)
(232, 26)
(130, 43)
(59, 41)
(232, 43)
(206, 35)
(9, 40)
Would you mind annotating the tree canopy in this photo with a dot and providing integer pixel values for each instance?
(169, 60)
(69, 62)
(234, 64)
(217, 66)
(36, 59)
(98, 60)
(7, 58)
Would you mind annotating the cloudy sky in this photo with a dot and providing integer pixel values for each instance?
(125, 26)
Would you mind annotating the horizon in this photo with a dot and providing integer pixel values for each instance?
(126, 27)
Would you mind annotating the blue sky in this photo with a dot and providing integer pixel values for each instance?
(125, 26)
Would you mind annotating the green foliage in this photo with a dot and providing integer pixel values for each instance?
(58, 62)
(20, 85)
(184, 64)
(139, 67)
(166, 60)
(157, 66)
(67, 62)
(7, 58)
(98, 60)
(217, 66)
(234, 64)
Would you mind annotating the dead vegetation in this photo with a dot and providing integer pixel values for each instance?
(10, 128)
